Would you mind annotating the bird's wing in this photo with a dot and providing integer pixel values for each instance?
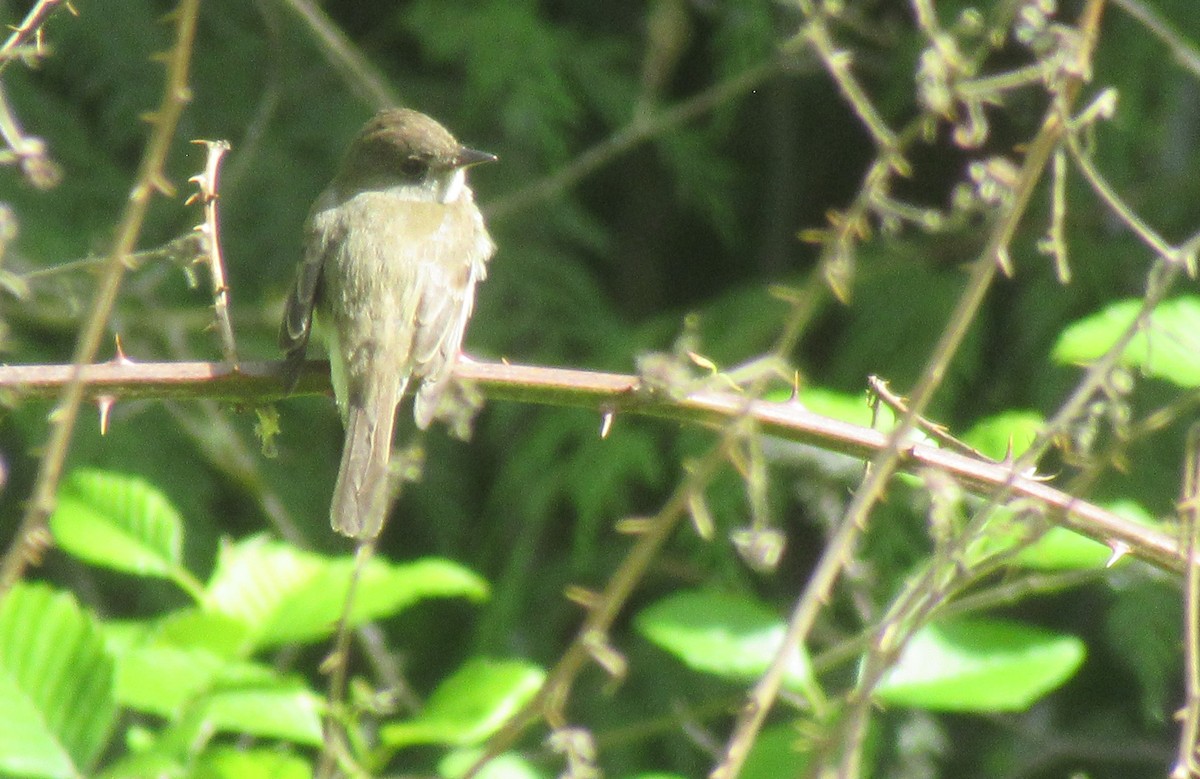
(296, 327)
(447, 297)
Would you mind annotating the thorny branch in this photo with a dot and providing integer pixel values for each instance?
(211, 242)
(1187, 763)
(32, 536)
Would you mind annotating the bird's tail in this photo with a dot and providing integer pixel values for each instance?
(362, 495)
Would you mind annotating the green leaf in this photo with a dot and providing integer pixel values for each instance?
(731, 636)
(285, 595)
(229, 763)
(267, 708)
(56, 685)
(119, 522)
(470, 705)
(1167, 348)
(161, 679)
(980, 665)
(167, 671)
(195, 628)
(506, 766)
(141, 764)
(1006, 434)
(1060, 549)
(848, 407)
(778, 751)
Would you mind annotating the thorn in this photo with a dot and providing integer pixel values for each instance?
(1008, 460)
(1119, 550)
(701, 518)
(702, 362)
(581, 596)
(795, 398)
(606, 423)
(605, 655)
(633, 526)
(161, 184)
(331, 662)
(1004, 261)
(36, 544)
(105, 404)
(119, 358)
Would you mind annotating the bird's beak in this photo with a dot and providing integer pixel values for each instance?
(468, 157)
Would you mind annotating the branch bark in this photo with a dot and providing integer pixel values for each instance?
(605, 393)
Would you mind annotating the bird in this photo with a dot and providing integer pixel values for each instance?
(394, 248)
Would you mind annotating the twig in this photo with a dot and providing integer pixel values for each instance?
(879, 388)
(30, 26)
(27, 151)
(1110, 197)
(254, 131)
(226, 451)
(837, 63)
(32, 536)
(1186, 764)
(362, 77)
(334, 748)
(182, 250)
(641, 129)
(211, 234)
(1184, 51)
(840, 546)
(263, 381)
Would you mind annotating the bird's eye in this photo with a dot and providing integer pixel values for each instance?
(414, 167)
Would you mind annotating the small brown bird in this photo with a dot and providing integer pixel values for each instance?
(393, 249)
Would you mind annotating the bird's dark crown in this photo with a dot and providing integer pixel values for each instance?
(401, 143)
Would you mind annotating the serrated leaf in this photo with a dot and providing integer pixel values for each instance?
(1167, 348)
(731, 636)
(120, 522)
(980, 665)
(159, 677)
(470, 705)
(285, 595)
(56, 685)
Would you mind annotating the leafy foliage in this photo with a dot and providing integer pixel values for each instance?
(681, 180)
(58, 707)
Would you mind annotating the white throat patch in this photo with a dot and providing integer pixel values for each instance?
(453, 186)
